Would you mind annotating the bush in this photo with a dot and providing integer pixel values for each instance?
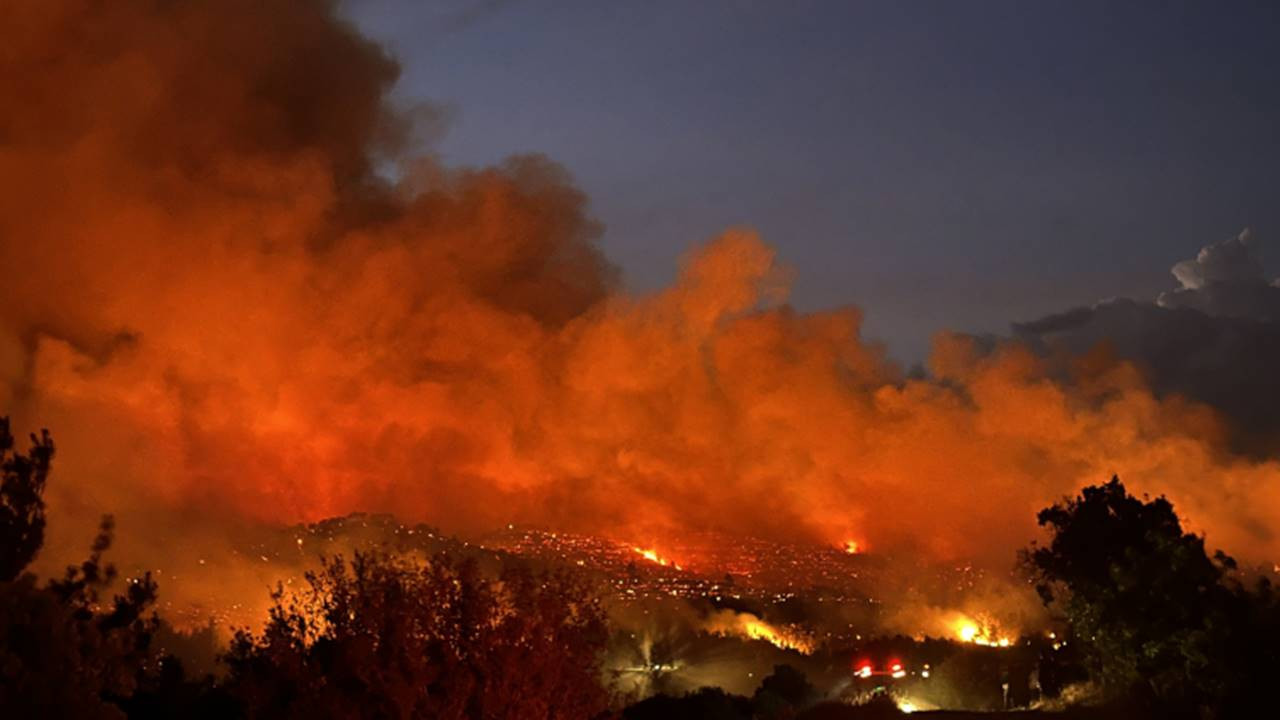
(1159, 621)
(382, 637)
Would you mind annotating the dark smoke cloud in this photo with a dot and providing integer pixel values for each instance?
(1215, 339)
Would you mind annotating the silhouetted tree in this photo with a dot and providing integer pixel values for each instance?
(21, 500)
(383, 637)
(1157, 619)
(65, 651)
(783, 693)
(168, 691)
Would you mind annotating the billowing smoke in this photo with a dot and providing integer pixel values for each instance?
(228, 318)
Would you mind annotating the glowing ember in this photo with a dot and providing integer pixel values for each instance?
(852, 547)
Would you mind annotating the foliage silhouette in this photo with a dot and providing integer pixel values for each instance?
(1160, 623)
(388, 637)
(64, 649)
(1163, 627)
(782, 693)
(22, 500)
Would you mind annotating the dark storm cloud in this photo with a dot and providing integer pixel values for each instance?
(1215, 338)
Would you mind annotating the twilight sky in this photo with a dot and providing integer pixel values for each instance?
(940, 164)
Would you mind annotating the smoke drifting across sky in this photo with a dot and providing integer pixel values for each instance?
(227, 317)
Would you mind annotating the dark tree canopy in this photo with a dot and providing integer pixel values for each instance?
(1159, 620)
(782, 692)
(66, 649)
(386, 637)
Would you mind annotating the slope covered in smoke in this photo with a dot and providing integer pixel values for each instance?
(229, 319)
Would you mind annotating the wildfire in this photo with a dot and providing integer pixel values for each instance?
(653, 557)
(779, 637)
(729, 623)
(494, 391)
(978, 633)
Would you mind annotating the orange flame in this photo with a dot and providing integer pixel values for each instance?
(653, 557)
(745, 625)
(980, 633)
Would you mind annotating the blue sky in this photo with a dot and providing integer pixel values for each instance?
(951, 165)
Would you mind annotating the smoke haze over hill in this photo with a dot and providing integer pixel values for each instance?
(227, 318)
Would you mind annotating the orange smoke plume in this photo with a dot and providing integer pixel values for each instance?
(226, 316)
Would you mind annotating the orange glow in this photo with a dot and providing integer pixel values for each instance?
(228, 318)
(853, 547)
(980, 633)
(650, 555)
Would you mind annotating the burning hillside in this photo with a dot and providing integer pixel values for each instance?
(233, 321)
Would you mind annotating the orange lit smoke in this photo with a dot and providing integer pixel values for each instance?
(228, 318)
(747, 626)
(999, 628)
